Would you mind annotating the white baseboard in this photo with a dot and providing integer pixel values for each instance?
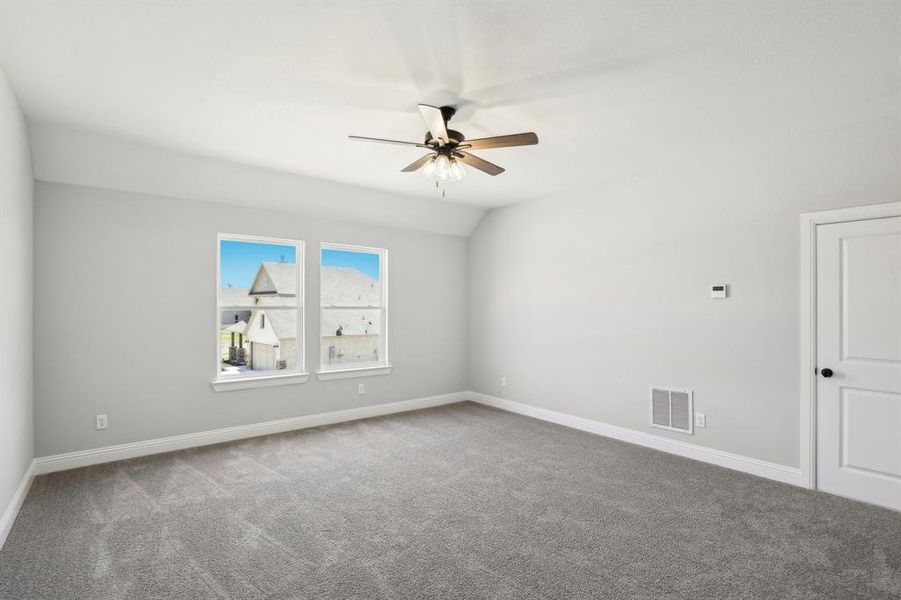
(754, 466)
(83, 458)
(15, 503)
(72, 460)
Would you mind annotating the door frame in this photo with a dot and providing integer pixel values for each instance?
(808, 407)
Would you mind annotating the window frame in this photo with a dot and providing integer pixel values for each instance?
(383, 366)
(298, 374)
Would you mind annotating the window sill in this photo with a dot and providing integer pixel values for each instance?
(354, 372)
(244, 383)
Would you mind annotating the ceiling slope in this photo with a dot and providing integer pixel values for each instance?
(65, 156)
(620, 93)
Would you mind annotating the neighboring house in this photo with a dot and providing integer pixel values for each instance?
(276, 280)
(231, 296)
(349, 335)
(272, 337)
(235, 354)
(233, 322)
(272, 333)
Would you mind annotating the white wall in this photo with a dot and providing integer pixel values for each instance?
(16, 292)
(125, 293)
(583, 301)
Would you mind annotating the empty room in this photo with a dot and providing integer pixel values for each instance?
(450, 300)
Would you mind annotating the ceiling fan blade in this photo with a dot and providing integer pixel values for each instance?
(359, 138)
(503, 141)
(478, 163)
(434, 120)
(417, 164)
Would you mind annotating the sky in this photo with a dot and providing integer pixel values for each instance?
(241, 260)
(362, 261)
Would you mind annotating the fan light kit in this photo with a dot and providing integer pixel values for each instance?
(447, 148)
(442, 168)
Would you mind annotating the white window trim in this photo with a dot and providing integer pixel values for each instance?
(383, 367)
(354, 372)
(221, 383)
(227, 384)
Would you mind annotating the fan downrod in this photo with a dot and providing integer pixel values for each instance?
(447, 112)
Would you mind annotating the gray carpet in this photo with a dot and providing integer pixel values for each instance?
(455, 502)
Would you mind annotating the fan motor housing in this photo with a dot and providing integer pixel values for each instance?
(455, 137)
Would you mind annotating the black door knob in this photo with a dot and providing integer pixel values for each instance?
(826, 372)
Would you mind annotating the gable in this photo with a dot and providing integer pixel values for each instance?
(275, 278)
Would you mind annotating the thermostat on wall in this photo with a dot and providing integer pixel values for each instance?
(718, 290)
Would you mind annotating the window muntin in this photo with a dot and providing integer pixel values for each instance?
(353, 307)
(259, 307)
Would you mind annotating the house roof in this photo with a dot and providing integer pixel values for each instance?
(283, 323)
(238, 327)
(276, 301)
(339, 286)
(352, 322)
(232, 296)
(346, 286)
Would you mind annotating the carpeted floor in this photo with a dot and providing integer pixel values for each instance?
(455, 502)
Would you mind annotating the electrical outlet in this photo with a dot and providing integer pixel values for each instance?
(503, 382)
(700, 420)
(361, 389)
(102, 422)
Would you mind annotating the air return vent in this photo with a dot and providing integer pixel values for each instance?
(672, 409)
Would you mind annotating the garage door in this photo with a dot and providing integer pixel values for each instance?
(263, 356)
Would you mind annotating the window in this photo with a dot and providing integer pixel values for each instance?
(353, 301)
(260, 308)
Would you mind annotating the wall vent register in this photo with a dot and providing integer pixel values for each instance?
(672, 409)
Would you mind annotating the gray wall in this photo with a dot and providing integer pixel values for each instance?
(126, 284)
(16, 292)
(584, 301)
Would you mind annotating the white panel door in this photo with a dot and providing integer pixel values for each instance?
(859, 360)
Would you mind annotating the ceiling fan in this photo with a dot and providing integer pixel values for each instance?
(448, 148)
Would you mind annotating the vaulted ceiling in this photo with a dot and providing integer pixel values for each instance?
(617, 92)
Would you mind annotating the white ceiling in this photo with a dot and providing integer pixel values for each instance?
(617, 92)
